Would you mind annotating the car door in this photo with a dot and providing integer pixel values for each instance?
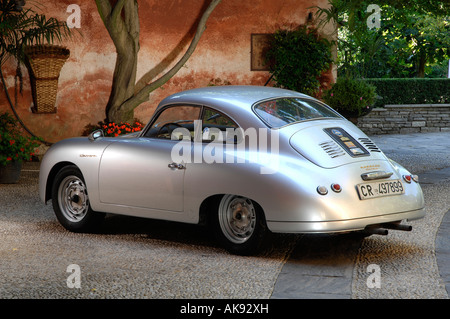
(140, 172)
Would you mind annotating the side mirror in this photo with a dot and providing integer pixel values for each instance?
(95, 135)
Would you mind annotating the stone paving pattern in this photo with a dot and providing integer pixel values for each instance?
(140, 258)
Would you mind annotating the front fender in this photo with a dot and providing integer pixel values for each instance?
(81, 152)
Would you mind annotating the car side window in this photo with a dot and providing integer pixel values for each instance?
(172, 118)
(217, 126)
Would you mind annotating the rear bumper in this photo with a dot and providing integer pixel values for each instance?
(342, 225)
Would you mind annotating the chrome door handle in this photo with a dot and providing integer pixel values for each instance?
(173, 165)
(177, 166)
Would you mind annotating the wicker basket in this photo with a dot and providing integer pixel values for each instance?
(45, 63)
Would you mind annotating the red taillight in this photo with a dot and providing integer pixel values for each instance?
(407, 178)
(336, 188)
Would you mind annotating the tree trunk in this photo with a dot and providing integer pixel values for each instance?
(421, 65)
(122, 22)
(122, 88)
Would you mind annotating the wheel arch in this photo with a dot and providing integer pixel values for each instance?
(51, 177)
(213, 200)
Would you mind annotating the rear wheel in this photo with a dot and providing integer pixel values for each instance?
(70, 201)
(239, 224)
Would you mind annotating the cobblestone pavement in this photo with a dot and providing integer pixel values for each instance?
(139, 258)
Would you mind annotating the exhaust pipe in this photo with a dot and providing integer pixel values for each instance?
(397, 226)
(382, 229)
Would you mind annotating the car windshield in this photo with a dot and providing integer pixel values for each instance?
(283, 111)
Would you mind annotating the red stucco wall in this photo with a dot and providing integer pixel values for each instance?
(223, 53)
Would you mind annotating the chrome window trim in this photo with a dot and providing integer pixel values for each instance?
(338, 116)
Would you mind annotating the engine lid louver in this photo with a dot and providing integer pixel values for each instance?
(317, 142)
(332, 149)
(368, 144)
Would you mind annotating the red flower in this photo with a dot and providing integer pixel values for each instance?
(9, 159)
(11, 142)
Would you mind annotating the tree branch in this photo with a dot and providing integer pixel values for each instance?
(104, 9)
(132, 19)
(111, 17)
(115, 14)
(143, 94)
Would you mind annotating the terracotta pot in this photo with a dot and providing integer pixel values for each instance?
(10, 173)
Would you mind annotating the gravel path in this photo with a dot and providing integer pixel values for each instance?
(407, 259)
(140, 258)
(130, 258)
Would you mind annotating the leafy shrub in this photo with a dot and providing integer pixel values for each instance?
(297, 59)
(14, 146)
(412, 91)
(350, 97)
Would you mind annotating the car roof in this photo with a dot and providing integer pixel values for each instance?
(229, 98)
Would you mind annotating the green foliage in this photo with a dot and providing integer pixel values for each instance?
(413, 41)
(350, 97)
(13, 145)
(21, 27)
(411, 91)
(413, 44)
(297, 59)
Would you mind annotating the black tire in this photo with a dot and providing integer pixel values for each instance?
(70, 202)
(238, 224)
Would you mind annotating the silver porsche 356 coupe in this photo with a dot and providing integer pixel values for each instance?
(244, 160)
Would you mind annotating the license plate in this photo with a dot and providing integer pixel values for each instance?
(380, 189)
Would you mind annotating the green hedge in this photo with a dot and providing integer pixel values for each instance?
(411, 91)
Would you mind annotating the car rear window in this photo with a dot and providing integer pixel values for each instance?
(283, 111)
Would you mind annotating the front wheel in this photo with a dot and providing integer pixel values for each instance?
(239, 224)
(70, 201)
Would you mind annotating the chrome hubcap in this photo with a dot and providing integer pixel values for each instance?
(73, 198)
(237, 218)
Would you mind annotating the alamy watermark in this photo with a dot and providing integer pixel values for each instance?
(374, 279)
(74, 279)
(374, 19)
(234, 145)
(74, 19)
